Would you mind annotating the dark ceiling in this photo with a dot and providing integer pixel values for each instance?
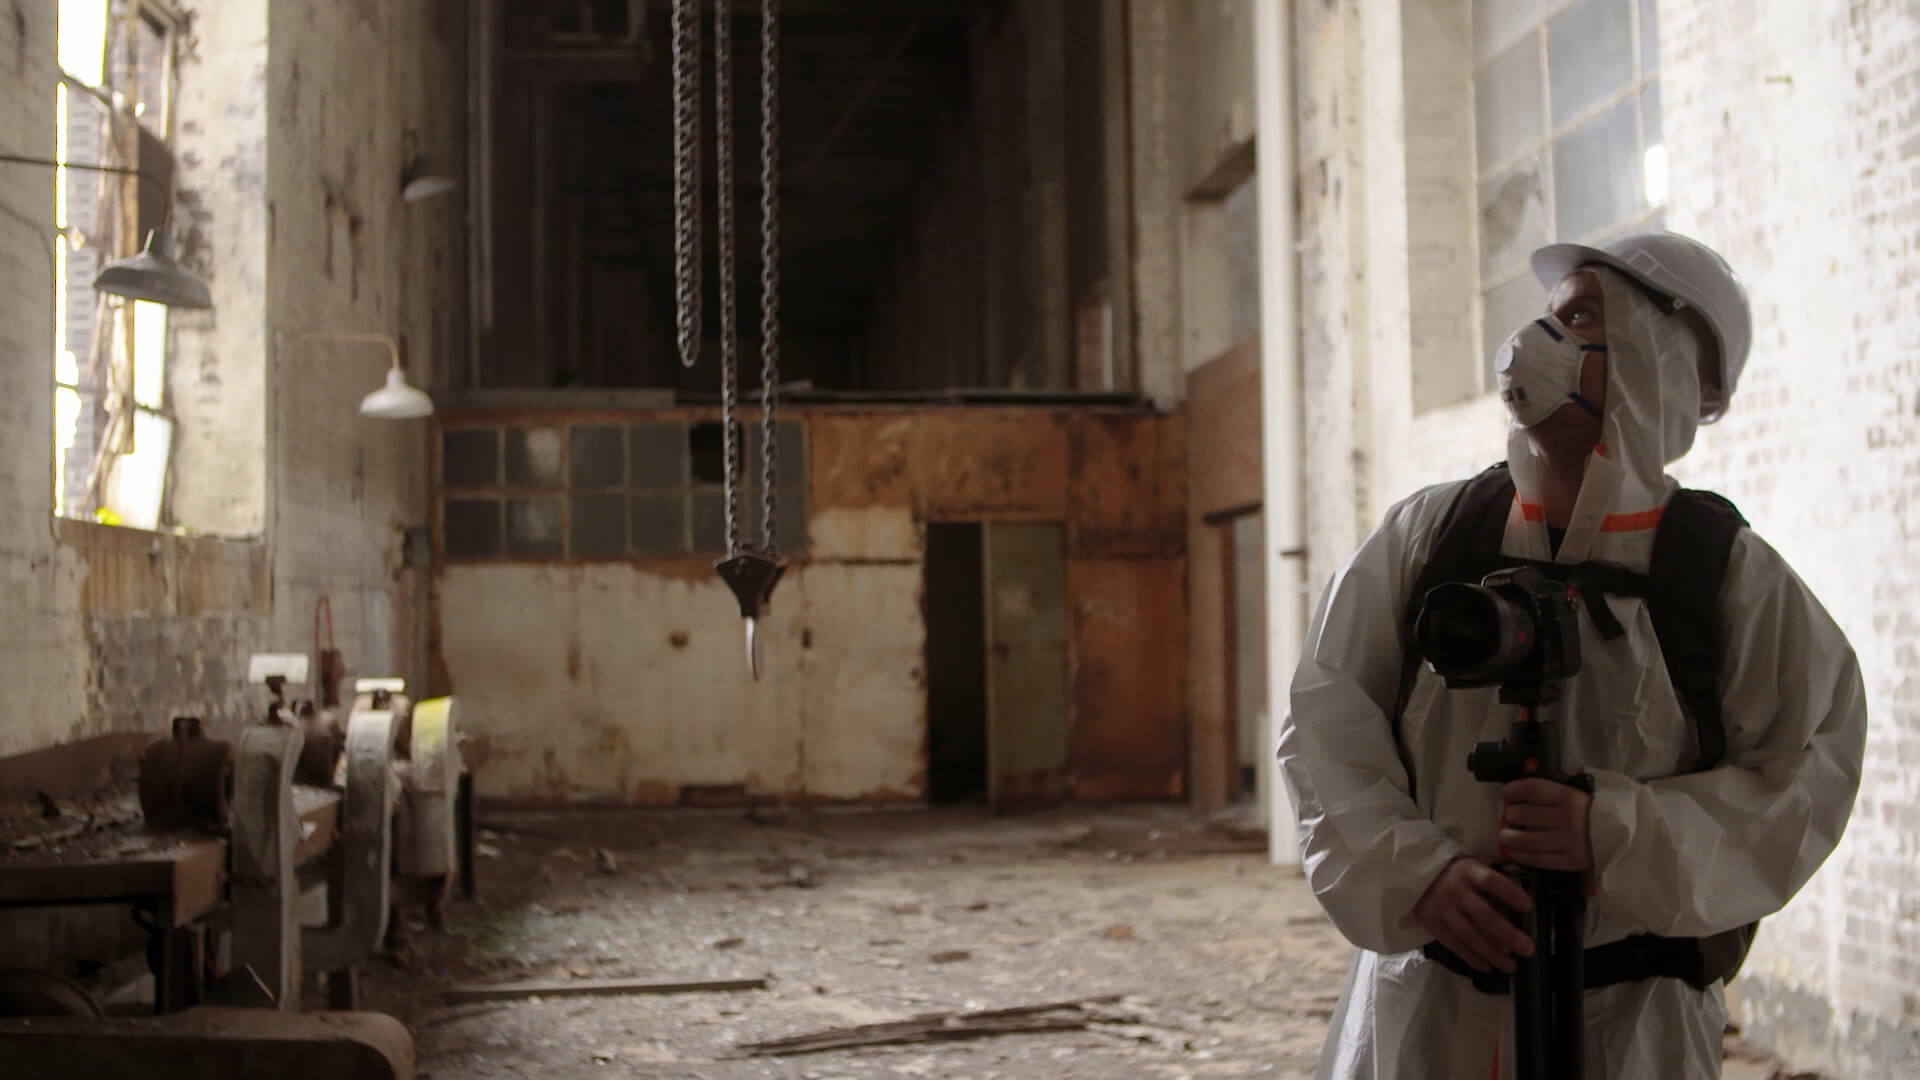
(866, 87)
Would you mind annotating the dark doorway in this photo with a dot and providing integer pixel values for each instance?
(956, 665)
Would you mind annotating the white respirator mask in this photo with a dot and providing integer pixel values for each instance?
(1538, 370)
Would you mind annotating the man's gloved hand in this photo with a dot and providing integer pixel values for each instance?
(1459, 910)
(1544, 824)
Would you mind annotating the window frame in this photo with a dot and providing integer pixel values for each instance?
(1645, 76)
(464, 485)
(107, 379)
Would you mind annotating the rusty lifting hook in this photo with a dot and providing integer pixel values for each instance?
(750, 571)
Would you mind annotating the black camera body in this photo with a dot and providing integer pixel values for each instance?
(1518, 629)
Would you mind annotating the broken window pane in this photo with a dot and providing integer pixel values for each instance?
(1513, 218)
(706, 451)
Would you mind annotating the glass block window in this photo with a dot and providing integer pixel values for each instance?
(1567, 139)
(601, 490)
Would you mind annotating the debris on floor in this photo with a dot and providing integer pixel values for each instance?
(943, 1026)
(907, 952)
(859, 918)
(464, 995)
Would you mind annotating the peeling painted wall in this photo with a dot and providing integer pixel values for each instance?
(346, 84)
(623, 680)
(169, 623)
(217, 375)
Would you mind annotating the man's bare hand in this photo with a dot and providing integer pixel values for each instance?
(1544, 824)
(1459, 911)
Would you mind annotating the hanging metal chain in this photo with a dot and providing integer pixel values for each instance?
(686, 176)
(729, 323)
(769, 261)
(750, 572)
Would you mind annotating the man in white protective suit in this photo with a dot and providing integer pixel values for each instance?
(1645, 339)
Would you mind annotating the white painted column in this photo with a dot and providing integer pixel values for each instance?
(1280, 399)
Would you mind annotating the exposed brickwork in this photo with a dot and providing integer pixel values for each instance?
(1795, 137)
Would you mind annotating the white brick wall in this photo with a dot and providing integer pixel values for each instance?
(42, 652)
(1793, 132)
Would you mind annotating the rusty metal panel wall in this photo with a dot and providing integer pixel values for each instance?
(862, 459)
(610, 683)
(990, 464)
(1128, 621)
(864, 674)
(1027, 665)
(607, 682)
(622, 680)
(1128, 485)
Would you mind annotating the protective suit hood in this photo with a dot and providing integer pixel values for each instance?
(1648, 421)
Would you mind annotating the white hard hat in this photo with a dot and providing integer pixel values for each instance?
(1675, 266)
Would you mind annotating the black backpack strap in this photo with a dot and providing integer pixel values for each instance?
(1690, 553)
(1469, 535)
(1466, 546)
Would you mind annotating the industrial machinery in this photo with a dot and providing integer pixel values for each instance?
(433, 830)
(226, 838)
(213, 851)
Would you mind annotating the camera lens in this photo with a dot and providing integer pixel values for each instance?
(1470, 632)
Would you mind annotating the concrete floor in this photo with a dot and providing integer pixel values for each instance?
(1224, 964)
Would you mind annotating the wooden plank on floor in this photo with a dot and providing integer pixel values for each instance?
(461, 995)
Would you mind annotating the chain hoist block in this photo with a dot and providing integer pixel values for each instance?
(752, 575)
